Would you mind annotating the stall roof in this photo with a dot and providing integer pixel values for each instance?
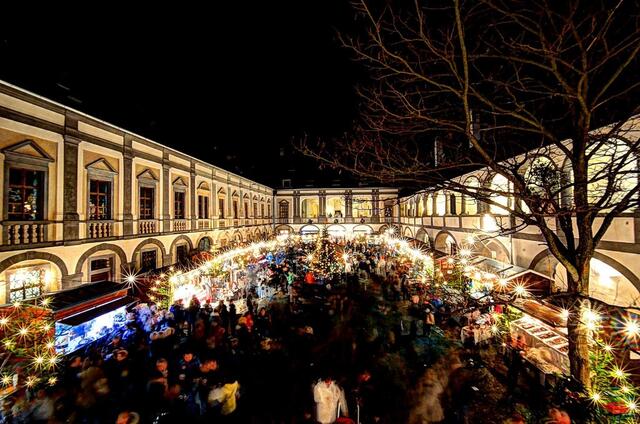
(506, 271)
(89, 314)
(82, 294)
(547, 313)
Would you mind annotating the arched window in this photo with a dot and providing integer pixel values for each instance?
(204, 244)
(500, 186)
(470, 202)
(611, 166)
(543, 180)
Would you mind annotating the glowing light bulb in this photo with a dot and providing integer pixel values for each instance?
(46, 301)
(471, 239)
(618, 373)
(17, 304)
(632, 328)
(608, 347)
(465, 253)
(632, 405)
(6, 380)
(596, 397)
(23, 331)
(564, 314)
(495, 329)
(520, 290)
(4, 321)
(52, 381)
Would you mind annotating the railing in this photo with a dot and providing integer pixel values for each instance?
(25, 232)
(179, 225)
(99, 229)
(204, 224)
(147, 226)
(222, 223)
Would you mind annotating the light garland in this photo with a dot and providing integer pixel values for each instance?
(28, 348)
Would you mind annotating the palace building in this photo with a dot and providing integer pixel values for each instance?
(85, 201)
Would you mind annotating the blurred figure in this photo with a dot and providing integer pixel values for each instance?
(330, 401)
(557, 416)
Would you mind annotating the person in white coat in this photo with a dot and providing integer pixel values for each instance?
(330, 401)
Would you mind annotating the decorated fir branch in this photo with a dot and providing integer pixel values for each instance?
(27, 352)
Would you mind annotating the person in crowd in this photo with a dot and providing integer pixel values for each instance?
(160, 374)
(557, 416)
(233, 317)
(515, 419)
(128, 417)
(42, 408)
(226, 398)
(187, 367)
(330, 401)
(262, 323)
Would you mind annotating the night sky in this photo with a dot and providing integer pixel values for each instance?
(230, 84)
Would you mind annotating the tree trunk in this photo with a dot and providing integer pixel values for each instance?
(578, 333)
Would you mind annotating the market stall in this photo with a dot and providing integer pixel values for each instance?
(543, 328)
(87, 313)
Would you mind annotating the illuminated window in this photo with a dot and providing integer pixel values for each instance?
(99, 199)
(203, 207)
(146, 202)
(178, 205)
(148, 260)
(27, 283)
(25, 196)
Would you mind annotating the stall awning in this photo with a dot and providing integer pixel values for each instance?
(535, 281)
(547, 313)
(89, 314)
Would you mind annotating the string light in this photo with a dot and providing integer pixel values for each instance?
(631, 328)
(520, 290)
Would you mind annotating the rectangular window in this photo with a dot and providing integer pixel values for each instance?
(283, 213)
(25, 195)
(235, 209)
(203, 207)
(255, 210)
(178, 205)
(146, 202)
(99, 199)
(101, 270)
(262, 210)
(148, 260)
(26, 283)
(269, 210)
(246, 210)
(221, 208)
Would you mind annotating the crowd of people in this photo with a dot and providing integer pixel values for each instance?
(307, 354)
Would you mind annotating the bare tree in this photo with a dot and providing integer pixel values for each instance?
(491, 86)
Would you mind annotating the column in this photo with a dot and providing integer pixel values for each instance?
(127, 175)
(348, 206)
(322, 205)
(166, 190)
(375, 207)
(447, 203)
(192, 189)
(71, 223)
(296, 207)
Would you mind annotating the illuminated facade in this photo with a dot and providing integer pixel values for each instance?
(448, 220)
(86, 201)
